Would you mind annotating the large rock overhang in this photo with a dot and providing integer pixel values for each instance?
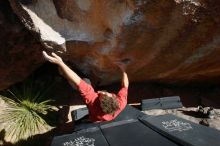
(164, 40)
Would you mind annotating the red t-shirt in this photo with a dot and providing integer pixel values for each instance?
(90, 97)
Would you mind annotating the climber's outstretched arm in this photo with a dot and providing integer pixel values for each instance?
(123, 66)
(71, 76)
(125, 81)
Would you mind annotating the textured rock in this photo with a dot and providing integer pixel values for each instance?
(163, 40)
(19, 51)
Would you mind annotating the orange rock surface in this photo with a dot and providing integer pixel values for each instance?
(171, 41)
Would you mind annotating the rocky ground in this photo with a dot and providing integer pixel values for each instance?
(191, 114)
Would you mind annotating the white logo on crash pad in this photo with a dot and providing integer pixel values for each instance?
(80, 141)
(175, 125)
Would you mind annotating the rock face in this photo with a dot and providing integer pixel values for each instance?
(161, 40)
(19, 51)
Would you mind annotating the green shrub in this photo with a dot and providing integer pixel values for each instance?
(21, 116)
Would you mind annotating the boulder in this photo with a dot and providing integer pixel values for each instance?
(171, 41)
(20, 52)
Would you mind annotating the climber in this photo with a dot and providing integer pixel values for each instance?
(102, 105)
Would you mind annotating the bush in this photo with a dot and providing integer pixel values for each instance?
(21, 116)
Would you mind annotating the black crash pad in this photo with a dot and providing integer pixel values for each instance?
(87, 137)
(128, 113)
(161, 103)
(121, 133)
(79, 113)
(182, 131)
(133, 133)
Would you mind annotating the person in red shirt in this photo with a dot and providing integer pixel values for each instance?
(102, 105)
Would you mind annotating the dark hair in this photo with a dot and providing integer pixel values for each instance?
(109, 105)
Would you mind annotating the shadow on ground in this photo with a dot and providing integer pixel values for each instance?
(194, 114)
